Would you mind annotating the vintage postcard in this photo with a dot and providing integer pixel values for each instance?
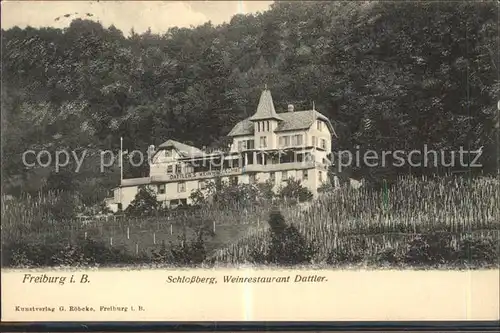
(250, 161)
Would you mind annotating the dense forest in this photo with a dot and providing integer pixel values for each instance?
(390, 75)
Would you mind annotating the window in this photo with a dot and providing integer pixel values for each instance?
(161, 189)
(267, 125)
(253, 179)
(234, 180)
(319, 125)
(250, 144)
(284, 175)
(314, 141)
(284, 141)
(201, 185)
(168, 153)
(181, 187)
(320, 176)
(263, 142)
(258, 126)
(177, 168)
(242, 145)
(297, 140)
(305, 174)
(170, 169)
(323, 144)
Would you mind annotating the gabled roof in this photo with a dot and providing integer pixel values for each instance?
(244, 127)
(265, 109)
(183, 149)
(292, 121)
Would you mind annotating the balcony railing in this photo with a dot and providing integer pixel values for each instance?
(239, 171)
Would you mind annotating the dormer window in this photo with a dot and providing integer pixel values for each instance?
(319, 125)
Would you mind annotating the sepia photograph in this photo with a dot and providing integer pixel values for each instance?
(249, 135)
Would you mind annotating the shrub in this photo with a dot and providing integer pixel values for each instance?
(184, 253)
(70, 255)
(352, 251)
(287, 246)
(82, 252)
(65, 207)
(293, 190)
(478, 251)
(225, 195)
(162, 255)
(98, 253)
(430, 250)
(266, 190)
(386, 256)
(198, 198)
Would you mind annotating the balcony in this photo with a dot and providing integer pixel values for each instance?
(284, 166)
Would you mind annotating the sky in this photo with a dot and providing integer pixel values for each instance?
(125, 15)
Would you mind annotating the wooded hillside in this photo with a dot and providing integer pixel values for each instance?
(389, 76)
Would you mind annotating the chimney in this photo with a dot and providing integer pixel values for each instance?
(290, 107)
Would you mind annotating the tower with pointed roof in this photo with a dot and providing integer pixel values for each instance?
(265, 121)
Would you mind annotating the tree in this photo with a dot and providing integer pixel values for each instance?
(144, 203)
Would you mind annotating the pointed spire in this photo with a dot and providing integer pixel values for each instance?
(313, 113)
(265, 109)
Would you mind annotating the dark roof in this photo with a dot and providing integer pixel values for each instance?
(244, 127)
(184, 149)
(265, 109)
(291, 121)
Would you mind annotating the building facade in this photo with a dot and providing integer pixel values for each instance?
(267, 146)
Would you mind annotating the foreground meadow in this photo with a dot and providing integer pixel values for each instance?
(414, 223)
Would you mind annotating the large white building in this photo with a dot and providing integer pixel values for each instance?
(266, 146)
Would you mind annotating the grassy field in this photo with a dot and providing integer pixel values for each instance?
(138, 236)
(346, 226)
